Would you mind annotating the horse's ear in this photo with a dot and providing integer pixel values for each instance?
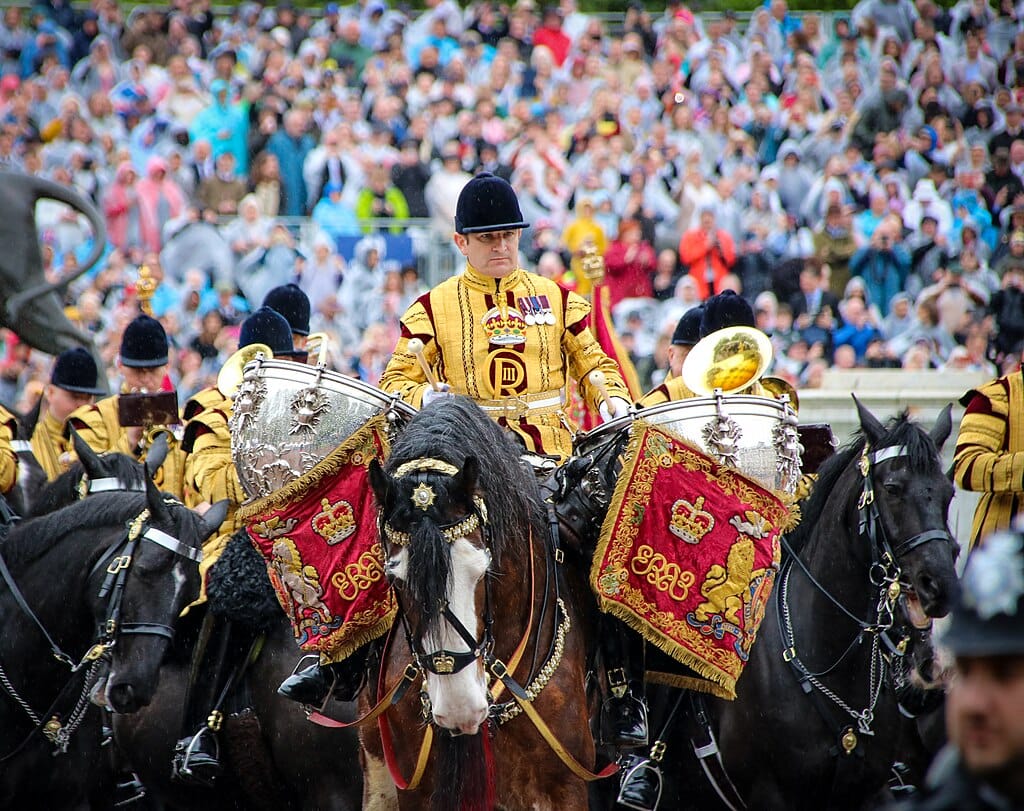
(214, 517)
(943, 426)
(873, 429)
(469, 475)
(381, 484)
(157, 453)
(86, 455)
(158, 511)
(27, 423)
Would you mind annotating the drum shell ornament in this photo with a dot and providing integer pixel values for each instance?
(755, 435)
(288, 416)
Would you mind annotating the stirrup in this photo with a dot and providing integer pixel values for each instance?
(181, 767)
(643, 776)
(134, 785)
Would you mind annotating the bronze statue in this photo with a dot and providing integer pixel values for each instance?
(33, 306)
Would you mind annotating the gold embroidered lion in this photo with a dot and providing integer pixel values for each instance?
(725, 588)
(301, 583)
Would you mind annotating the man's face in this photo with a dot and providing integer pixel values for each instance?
(985, 716)
(493, 253)
(62, 402)
(676, 356)
(148, 379)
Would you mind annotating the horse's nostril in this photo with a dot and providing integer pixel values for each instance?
(121, 696)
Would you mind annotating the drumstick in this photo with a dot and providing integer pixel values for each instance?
(416, 347)
(597, 380)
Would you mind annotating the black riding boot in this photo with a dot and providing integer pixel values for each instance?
(624, 713)
(641, 782)
(197, 755)
(343, 680)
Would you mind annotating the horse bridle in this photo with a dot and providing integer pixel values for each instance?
(445, 662)
(884, 572)
(118, 561)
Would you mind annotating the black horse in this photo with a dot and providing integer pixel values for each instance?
(120, 563)
(817, 721)
(274, 758)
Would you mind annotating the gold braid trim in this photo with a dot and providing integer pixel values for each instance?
(349, 452)
(332, 652)
(451, 535)
(434, 465)
(718, 682)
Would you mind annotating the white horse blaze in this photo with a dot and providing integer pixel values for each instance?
(459, 700)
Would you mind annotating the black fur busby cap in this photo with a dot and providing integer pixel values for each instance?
(75, 370)
(687, 331)
(293, 304)
(267, 326)
(488, 203)
(144, 343)
(725, 310)
(988, 617)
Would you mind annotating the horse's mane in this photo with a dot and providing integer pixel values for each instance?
(64, 489)
(30, 539)
(453, 430)
(901, 431)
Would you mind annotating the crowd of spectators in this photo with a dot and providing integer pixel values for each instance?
(857, 177)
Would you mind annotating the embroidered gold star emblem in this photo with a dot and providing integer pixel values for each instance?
(423, 496)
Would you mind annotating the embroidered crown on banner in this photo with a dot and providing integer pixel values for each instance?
(335, 522)
(689, 521)
(504, 326)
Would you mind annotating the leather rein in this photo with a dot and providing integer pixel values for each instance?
(885, 574)
(445, 662)
(117, 561)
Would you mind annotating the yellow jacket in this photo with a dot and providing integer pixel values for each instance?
(672, 389)
(8, 459)
(477, 339)
(49, 444)
(989, 456)
(209, 469)
(98, 425)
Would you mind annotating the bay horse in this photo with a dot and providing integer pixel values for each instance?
(94, 564)
(492, 624)
(817, 719)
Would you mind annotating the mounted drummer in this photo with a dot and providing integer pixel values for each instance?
(506, 338)
(143, 363)
(210, 476)
(510, 340)
(74, 384)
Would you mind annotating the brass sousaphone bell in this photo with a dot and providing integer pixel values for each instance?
(230, 376)
(730, 359)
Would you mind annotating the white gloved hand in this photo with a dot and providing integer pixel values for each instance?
(620, 409)
(429, 395)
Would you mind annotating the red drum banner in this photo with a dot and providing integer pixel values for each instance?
(318, 535)
(687, 556)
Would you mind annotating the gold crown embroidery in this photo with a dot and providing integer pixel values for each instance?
(335, 522)
(504, 327)
(690, 522)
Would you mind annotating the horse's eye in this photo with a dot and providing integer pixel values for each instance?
(893, 488)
